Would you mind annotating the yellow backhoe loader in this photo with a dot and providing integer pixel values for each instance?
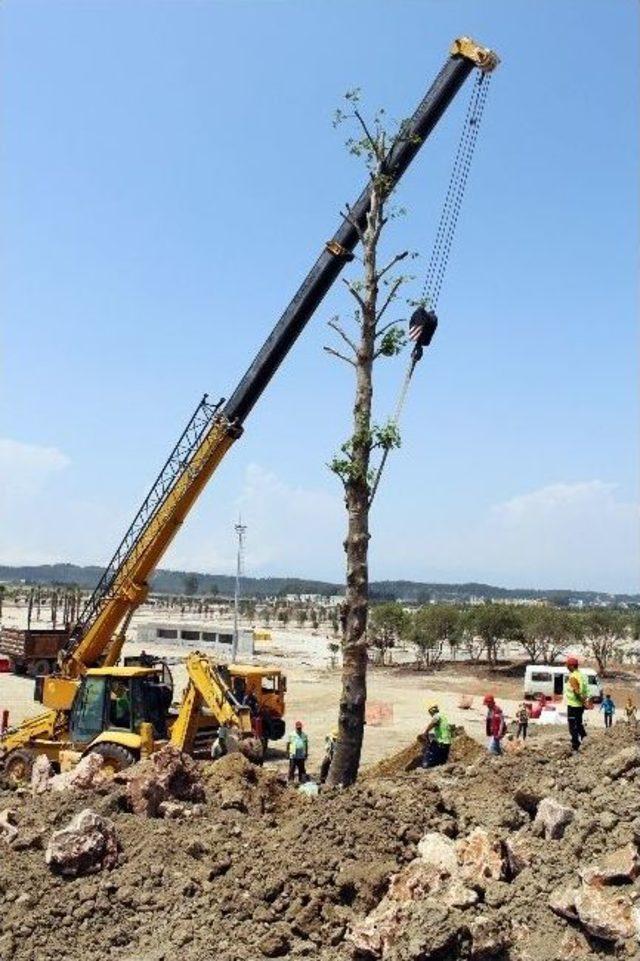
(124, 713)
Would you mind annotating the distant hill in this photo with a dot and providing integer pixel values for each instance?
(173, 582)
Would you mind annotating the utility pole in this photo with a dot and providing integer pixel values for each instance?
(240, 529)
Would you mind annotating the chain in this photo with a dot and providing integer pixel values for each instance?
(455, 192)
(445, 233)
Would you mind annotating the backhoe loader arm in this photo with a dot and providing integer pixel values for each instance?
(206, 687)
(213, 429)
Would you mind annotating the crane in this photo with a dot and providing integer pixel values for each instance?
(96, 641)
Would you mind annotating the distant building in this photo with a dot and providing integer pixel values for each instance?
(320, 599)
(211, 640)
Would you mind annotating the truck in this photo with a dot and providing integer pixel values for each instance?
(34, 651)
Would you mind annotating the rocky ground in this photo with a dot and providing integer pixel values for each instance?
(528, 857)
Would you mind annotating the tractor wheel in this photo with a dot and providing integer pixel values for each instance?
(18, 765)
(42, 667)
(116, 757)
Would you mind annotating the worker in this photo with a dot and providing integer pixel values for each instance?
(575, 693)
(608, 708)
(239, 689)
(630, 712)
(146, 660)
(330, 742)
(220, 746)
(298, 751)
(251, 701)
(495, 726)
(522, 718)
(120, 705)
(438, 738)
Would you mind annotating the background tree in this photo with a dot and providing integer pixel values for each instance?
(373, 292)
(283, 616)
(470, 642)
(190, 583)
(602, 630)
(546, 632)
(432, 627)
(247, 608)
(494, 624)
(388, 623)
(334, 648)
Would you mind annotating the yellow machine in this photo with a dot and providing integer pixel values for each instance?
(123, 713)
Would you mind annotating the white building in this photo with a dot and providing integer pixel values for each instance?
(217, 641)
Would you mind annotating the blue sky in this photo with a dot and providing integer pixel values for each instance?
(170, 173)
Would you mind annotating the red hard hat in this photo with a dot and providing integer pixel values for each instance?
(572, 661)
(489, 699)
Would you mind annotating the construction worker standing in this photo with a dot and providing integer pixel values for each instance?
(329, 747)
(608, 708)
(522, 717)
(630, 712)
(298, 751)
(495, 724)
(438, 738)
(575, 693)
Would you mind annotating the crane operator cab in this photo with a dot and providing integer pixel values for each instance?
(110, 706)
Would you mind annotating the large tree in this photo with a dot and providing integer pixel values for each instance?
(495, 624)
(435, 625)
(602, 631)
(546, 632)
(370, 338)
(388, 624)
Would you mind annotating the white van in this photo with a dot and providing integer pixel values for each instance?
(550, 680)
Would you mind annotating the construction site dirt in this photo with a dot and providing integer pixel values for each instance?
(532, 856)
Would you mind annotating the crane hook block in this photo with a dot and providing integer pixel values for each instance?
(422, 326)
(484, 58)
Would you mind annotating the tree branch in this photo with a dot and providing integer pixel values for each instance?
(354, 293)
(336, 353)
(383, 330)
(348, 216)
(392, 263)
(390, 297)
(338, 329)
(372, 142)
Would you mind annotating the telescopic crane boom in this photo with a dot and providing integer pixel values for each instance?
(99, 632)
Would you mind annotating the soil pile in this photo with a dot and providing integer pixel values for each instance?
(463, 749)
(264, 871)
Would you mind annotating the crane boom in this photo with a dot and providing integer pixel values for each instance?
(213, 429)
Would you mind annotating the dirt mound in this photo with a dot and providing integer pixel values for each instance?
(235, 783)
(266, 872)
(464, 750)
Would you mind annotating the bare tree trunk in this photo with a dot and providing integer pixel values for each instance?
(351, 718)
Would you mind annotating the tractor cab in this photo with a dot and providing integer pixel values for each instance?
(264, 688)
(118, 700)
